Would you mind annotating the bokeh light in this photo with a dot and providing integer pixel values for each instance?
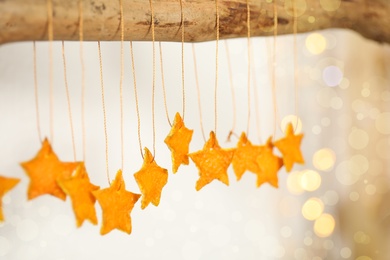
(332, 76)
(324, 159)
(382, 123)
(324, 225)
(312, 209)
(316, 43)
(300, 6)
(361, 237)
(348, 172)
(310, 180)
(358, 139)
(330, 198)
(294, 183)
(294, 120)
(345, 252)
(330, 6)
(354, 196)
(344, 84)
(364, 257)
(311, 19)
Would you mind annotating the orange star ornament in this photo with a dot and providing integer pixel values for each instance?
(212, 162)
(289, 146)
(178, 141)
(116, 203)
(80, 189)
(6, 184)
(44, 170)
(244, 157)
(151, 179)
(269, 165)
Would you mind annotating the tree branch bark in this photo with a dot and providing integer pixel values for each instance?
(26, 20)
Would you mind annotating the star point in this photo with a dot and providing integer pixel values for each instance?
(269, 165)
(6, 184)
(44, 170)
(178, 141)
(151, 179)
(212, 162)
(116, 203)
(80, 189)
(289, 146)
(244, 157)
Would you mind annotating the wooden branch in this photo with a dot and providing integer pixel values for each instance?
(26, 20)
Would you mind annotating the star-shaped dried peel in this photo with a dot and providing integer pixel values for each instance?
(212, 162)
(116, 203)
(269, 165)
(6, 184)
(178, 141)
(245, 157)
(44, 170)
(289, 146)
(80, 189)
(151, 179)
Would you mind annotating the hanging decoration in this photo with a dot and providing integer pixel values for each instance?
(245, 156)
(80, 190)
(44, 170)
(289, 146)
(117, 204)
(6, 184)
(178, 141)
(50, 176)
(269, 165)
(212, 162)
(151, 179)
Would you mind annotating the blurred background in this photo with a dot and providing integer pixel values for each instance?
(336, 206)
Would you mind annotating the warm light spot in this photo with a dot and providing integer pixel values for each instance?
(382, 148)
(312, 209)
(294, 120)
(361, 162)
(385, 96)
(382, 123)
(374, 113)
(336, 103)
(358, 139)
(300, 7)
(316, 129)
(330, 198)
(370, 189)
(365, 92)
(294, 183)
(332, 76)
(310, 180)
(363, 257)
(324, 159)
(345, 252)
(362, 238)
(286, 231)
(348, 172)
(344, 84)
(308, 241)
(316, 43)
(325, 121)
(354, 196)
(311, 19)
(330, 5)
(324, 225)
